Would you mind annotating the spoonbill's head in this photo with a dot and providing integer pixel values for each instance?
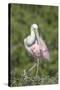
(34, 27)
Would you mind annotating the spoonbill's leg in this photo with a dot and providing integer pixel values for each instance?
(32, 67)
(37, 67)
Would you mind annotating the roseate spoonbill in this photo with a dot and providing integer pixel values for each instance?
(36, 46)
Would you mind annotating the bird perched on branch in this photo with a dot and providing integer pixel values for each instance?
(36, 46)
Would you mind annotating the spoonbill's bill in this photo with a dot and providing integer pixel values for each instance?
(36, 46)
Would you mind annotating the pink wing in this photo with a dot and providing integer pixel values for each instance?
(44, 49)
(33, 50)
(38, 49)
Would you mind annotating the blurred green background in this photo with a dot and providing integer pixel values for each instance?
(21, 18)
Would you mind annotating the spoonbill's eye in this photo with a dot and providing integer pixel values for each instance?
(34, 28)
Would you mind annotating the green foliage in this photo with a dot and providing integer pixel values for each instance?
(22, 17)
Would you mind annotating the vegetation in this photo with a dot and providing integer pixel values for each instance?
(21, 18)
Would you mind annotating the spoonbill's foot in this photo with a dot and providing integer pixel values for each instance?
(25, 74)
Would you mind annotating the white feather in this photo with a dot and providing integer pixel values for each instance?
(31, 38)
